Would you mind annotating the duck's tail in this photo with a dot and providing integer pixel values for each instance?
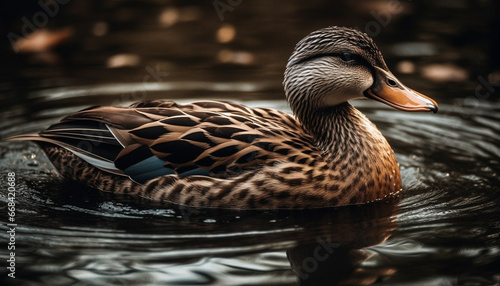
(91, 141)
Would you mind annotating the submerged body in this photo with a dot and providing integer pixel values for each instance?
(226, 155)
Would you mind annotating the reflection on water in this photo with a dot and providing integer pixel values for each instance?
(443, 230)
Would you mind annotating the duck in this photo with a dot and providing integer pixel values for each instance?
(220, 154)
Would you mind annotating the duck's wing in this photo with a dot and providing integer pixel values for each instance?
(155, 138)
(212, 138)
(89, 138)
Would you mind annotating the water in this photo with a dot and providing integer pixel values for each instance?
(442, 230)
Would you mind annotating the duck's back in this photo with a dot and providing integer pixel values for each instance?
(156, 143)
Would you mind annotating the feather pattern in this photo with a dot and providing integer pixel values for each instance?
(154, 138)
(218, 139)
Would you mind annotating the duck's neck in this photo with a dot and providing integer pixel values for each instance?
(339, 129)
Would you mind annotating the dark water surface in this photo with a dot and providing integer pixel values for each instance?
(444, 229)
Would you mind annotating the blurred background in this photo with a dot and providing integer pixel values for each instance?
(437, 47)
(57, 57)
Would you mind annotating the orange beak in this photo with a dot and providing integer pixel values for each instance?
(389, 90)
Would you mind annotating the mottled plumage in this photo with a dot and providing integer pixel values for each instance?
(226, 155)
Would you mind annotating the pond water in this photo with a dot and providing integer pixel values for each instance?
(444, 229)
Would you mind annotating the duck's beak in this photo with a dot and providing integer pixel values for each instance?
(389, 90)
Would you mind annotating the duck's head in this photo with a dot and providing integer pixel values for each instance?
(336, 64)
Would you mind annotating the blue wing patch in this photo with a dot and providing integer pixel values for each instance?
(148, 169)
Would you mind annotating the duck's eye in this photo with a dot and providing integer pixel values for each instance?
(347, 57)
